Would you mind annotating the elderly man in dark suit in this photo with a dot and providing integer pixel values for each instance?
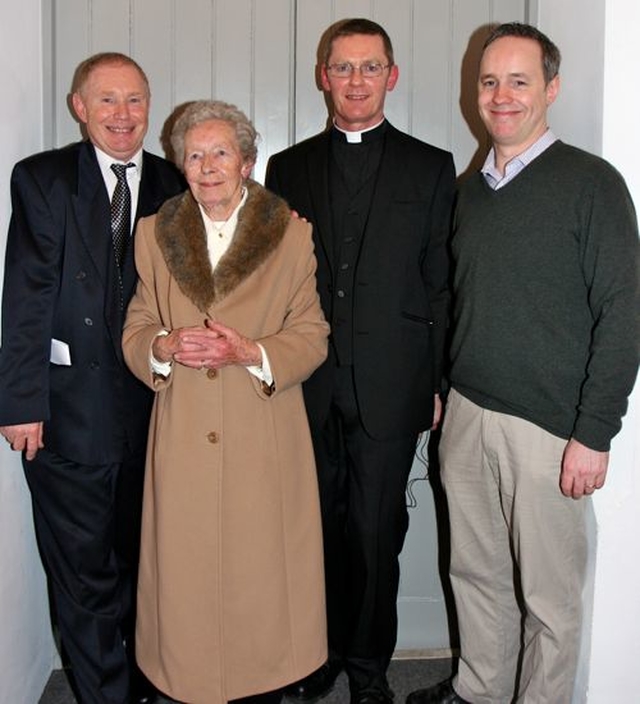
(67, 401)
(380, 204)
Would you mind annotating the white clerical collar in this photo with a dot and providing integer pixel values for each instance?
(355, 136)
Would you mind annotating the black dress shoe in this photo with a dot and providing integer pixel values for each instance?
(372, 696)
(149, 698)
(142, 691)
(441, 693)
(315, 686)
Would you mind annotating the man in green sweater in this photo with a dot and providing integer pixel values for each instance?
(544, 355)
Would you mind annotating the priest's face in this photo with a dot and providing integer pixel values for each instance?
(358, 100)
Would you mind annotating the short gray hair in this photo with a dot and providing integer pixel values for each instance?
(203, 111)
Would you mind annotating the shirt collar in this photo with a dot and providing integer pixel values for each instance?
(518, 162)
(105, 161)
(357, 136)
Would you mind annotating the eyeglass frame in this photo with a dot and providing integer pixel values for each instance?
(353, 67)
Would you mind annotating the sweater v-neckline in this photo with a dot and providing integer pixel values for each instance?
(525, 170)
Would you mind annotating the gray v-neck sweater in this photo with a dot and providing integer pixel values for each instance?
(546, 299)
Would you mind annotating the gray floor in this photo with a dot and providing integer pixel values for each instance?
(404, 677)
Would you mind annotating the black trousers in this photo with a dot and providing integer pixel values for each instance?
(364, 516)
(87, 521)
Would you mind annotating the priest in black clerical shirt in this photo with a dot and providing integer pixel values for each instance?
(380, 204)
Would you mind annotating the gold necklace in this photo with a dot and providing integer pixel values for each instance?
(218, 227)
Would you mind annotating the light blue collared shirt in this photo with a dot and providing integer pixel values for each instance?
(515, 165)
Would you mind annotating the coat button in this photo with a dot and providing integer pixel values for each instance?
(212, 373)
(88, 321)
(213, 437)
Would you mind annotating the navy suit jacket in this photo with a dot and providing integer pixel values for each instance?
(401, 282)
(61, 284)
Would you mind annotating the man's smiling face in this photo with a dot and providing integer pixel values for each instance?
(358, 102)
(114, 105)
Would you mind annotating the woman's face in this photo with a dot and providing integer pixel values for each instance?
(214, 167)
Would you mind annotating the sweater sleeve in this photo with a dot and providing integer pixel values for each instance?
(610, 253)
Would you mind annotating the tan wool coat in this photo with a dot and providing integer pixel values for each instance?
(231, 586)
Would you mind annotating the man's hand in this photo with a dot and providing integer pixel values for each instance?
(25, 437)
(583, 470)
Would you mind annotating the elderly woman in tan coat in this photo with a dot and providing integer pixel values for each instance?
(224, 326)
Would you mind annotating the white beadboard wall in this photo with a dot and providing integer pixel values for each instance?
(261, 55)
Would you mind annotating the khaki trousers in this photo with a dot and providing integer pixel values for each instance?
(518, 557)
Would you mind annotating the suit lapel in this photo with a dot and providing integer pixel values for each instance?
(91, 207)
(386, 184)
(318, 178)
(94, 227)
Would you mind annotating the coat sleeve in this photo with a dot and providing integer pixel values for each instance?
(143, 321)
(300, 346)
(435, 264)
(31, 283)
(271, 180)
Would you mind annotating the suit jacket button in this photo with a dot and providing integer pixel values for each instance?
(213, 437)
(94, 365)
(81, 275)
(212, 373)
(88, 321)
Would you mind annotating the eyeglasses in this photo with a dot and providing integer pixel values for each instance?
(368, 69)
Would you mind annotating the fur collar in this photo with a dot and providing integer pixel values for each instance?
(181, 236)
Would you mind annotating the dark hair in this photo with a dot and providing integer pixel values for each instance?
(105, 58)
(203, 111)
(550, 52)
(349, 27)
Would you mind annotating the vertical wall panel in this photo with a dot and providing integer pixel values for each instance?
(397, 19)
(234, 33)
(71, 43)
(509, 11)
(274, 88)
(313, 17)
(354, 8)
(152, 45)
(110, 26)
(467, 133)
(194, 51)
(433, 102)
